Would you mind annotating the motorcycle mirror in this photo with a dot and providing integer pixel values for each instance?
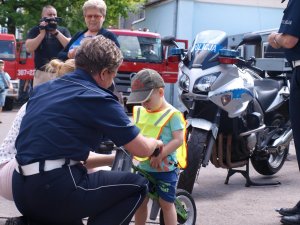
(169, 40)
(250, 39)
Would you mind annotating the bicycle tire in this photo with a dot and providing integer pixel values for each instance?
(189, 205)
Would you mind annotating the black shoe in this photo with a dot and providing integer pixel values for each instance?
(16, 221)
(289, 211)
(291, 220)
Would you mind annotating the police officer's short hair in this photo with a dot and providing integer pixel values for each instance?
(98, 53)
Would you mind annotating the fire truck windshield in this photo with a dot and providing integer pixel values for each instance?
(141, 49)
(7, 50)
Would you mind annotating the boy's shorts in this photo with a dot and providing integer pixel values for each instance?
(166, 184)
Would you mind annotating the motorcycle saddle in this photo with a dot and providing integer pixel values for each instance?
(267, 90)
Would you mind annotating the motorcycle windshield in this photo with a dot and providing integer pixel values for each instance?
(205, 48)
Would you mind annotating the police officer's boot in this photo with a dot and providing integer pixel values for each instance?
(289, 211)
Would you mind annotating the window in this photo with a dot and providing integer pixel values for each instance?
(7, 50)
(140, 49)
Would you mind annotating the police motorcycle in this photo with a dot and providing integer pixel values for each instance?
(234, 114)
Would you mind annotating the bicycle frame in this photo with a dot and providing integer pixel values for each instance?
(180, 210)
(123, 162)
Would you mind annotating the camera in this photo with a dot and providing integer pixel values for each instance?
(52, 23)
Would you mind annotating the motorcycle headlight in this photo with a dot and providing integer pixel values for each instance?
(203, 83)
(184, 82)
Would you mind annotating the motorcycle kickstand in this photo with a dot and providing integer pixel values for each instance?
(245, 174)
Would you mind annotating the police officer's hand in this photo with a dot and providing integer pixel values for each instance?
(160, 144)
(272, 40)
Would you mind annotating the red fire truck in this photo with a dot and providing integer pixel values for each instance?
(143, 49)
(17, 63)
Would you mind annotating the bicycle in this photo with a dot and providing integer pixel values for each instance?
(184, 203)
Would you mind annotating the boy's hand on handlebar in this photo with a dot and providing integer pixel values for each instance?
(156, 158)
(155, 162)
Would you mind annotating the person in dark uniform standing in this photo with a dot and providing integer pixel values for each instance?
(66, 119)
(288, 39)
(46, 40)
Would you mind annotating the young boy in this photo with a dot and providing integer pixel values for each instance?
(157, 118)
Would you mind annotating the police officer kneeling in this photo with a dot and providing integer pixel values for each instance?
(65, 119)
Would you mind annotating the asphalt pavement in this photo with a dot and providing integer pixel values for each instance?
(217, 203)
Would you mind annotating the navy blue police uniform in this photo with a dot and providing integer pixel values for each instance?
(290, 24)
(49, 47)
(65, 119)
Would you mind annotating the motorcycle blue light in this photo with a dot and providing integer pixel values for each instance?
(227, 56)
(228, 53)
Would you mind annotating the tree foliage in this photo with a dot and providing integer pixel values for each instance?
(27, 13)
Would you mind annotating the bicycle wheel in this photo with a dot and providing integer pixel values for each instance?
(188, 206)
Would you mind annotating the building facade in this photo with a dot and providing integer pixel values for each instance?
(183, 19)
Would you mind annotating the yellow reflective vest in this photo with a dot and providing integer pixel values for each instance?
(151, 124)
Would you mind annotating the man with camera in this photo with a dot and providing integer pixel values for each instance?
(46, 40)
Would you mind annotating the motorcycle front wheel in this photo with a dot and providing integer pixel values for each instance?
(195, 153)
(188, 203)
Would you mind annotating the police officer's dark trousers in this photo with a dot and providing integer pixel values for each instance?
(68, 194)
(295, 109)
